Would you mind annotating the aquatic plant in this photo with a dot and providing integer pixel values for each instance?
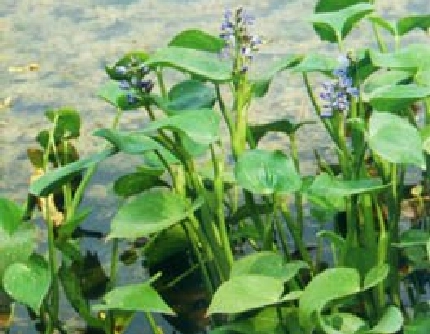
(238, 224)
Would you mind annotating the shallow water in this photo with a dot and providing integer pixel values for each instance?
(73, 42)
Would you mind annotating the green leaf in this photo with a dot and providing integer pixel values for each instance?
(264, 172)
(267, 264)
(409, 23)
(10, 216)
(395, 140)
(29, 282)
(202, 64)
(129, 142)
(375, 276)
(260, 86)
(342, 323)
(205, 133)
(243, 293)
(126, 60)
(423, 77)
(114, 95)
(327, 286)
(391, 322)
(387, 25)
(283, 126)
(410, 58)
(68, 122)
(418, 325)
(189, 95)
(335, 25)
(59, 176)
(17, 241)
(327, 185)
(383, 79)
(316, 62)
(198, 40)
(134, 297)
(135, 183)
(149, 213)
(397, 97)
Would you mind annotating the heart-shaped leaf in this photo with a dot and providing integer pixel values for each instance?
(129, 142)
(327, 286)
(334, 26)
(383, 79)
(202, 64)
(283, 126)
(397, 97)
(409, 23)
(395, 140)
(135, 183)
(149, 213)
(327, 185)
(134, 297)
(243, 293)
(28, 282)
(391, 322)
(10, 216)
(410, 58)
(198, 40)
(205, 133)
(260, 86)
(264, 172)
(316, 62)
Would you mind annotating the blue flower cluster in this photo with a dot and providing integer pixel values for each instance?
(239, 43)
(133, 79)
(337, 93)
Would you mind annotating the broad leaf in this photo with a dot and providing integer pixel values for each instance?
(283, 126)
(58, 177)
(383, 79)
(327, 286)
(397, 97)
(68, 122)
(28, 282)
(243, 293)
(135, 183)
(201, 126)
(149, 213)
(315, 62)
(391, 322)
(260, 86)
(10, 216)
(202, 64)
(327, 185)
(375, 276)
(409, 23)
(410, 58)
(114, 95)
(265, 172)
(134, 297)
(198, 40)
(267, 264)
(334, 26)
(387, 25)
(419, 325)
(342, 323)
(395, 140)
(129, 142)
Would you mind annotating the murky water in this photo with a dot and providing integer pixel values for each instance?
(72, 41)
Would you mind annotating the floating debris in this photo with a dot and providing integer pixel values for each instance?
(32, 67)
(6, 103)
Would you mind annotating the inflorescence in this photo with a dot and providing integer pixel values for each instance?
(337, 93)
(133, 79)
(239, 43)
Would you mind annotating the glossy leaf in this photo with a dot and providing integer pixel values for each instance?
(201, 64)
(135, 183)
(189, 95)
(149, 213)
(198, 40)
(395, 140)
(391, 322)
(409, 58)
(283, 126)
(17, 238)
(129, 142)
(267, 264)
(327, 185)
(335, 25)
(243, 293)
(375, 276)
(383, 79)
(266, 172)
(205, 133)
(10, 216)
(260, 86)
(68, 122)
(409, 23)
(315, 62)
(397, 97)
(134, 297)
(28, 282)
(342, 323)
(58, 177)
(327, 286)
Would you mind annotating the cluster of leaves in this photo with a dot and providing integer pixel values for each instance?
(183, 198)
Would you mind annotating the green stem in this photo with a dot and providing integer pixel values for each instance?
(224, 111)
(297, 195)
(154, 328)
(161, 84)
